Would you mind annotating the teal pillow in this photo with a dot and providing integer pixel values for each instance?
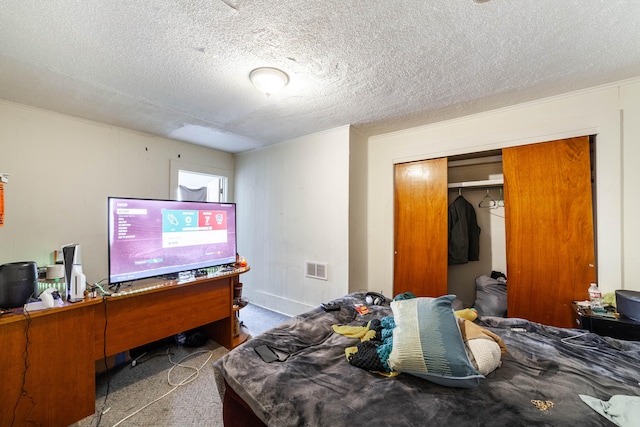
(427, 343)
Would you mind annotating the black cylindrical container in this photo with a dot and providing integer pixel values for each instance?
(18, 281)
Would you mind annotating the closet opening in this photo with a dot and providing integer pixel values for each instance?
(478, 179)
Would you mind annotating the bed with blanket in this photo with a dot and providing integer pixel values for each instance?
(414, 362)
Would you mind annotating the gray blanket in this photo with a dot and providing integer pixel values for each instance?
(539, 383)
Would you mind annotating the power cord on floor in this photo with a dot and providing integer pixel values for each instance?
(134, 362)
(185, 381)
(196, 372)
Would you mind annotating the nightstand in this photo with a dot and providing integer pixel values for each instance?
(604, 325)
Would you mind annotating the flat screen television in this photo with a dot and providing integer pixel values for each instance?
(149, 237)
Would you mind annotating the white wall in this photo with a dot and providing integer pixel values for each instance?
(61, 171)
(595, 111)
(293, 206)
(358, 265)
(630, 103)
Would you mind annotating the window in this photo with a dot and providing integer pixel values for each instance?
(199, 183)
(201, 187)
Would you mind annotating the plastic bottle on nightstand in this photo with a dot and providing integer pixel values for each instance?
(595, 296)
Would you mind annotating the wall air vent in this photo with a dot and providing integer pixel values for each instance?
(317, 270)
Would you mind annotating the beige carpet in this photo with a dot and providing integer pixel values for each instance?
(155, 381)
(149, 394)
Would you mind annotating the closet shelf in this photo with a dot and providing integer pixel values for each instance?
(499, 182)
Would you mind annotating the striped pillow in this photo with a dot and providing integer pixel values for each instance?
(427, 343)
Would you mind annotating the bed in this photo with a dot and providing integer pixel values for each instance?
(542, 376)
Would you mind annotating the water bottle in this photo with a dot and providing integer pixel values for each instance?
(595, 296)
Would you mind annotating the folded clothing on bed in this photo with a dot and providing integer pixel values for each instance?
(376, 340)
(484, 348)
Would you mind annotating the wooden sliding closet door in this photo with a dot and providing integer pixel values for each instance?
(421, 229)
(549, 229)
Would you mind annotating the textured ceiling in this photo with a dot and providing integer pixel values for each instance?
(180, 68)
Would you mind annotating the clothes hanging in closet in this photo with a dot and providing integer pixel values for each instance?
(464, 232)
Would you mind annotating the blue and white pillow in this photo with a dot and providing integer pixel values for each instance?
(427, 343)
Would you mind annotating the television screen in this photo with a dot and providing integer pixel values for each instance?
(150, 238)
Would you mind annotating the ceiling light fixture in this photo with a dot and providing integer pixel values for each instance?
(269, 80)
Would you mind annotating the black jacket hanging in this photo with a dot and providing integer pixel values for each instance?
(464, 233)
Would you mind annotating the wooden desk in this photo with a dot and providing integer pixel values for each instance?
(47, 362)
(47, 378)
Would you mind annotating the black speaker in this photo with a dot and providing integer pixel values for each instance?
(18, 281)
(374, 298)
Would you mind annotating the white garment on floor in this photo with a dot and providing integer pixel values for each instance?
(622, 410)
